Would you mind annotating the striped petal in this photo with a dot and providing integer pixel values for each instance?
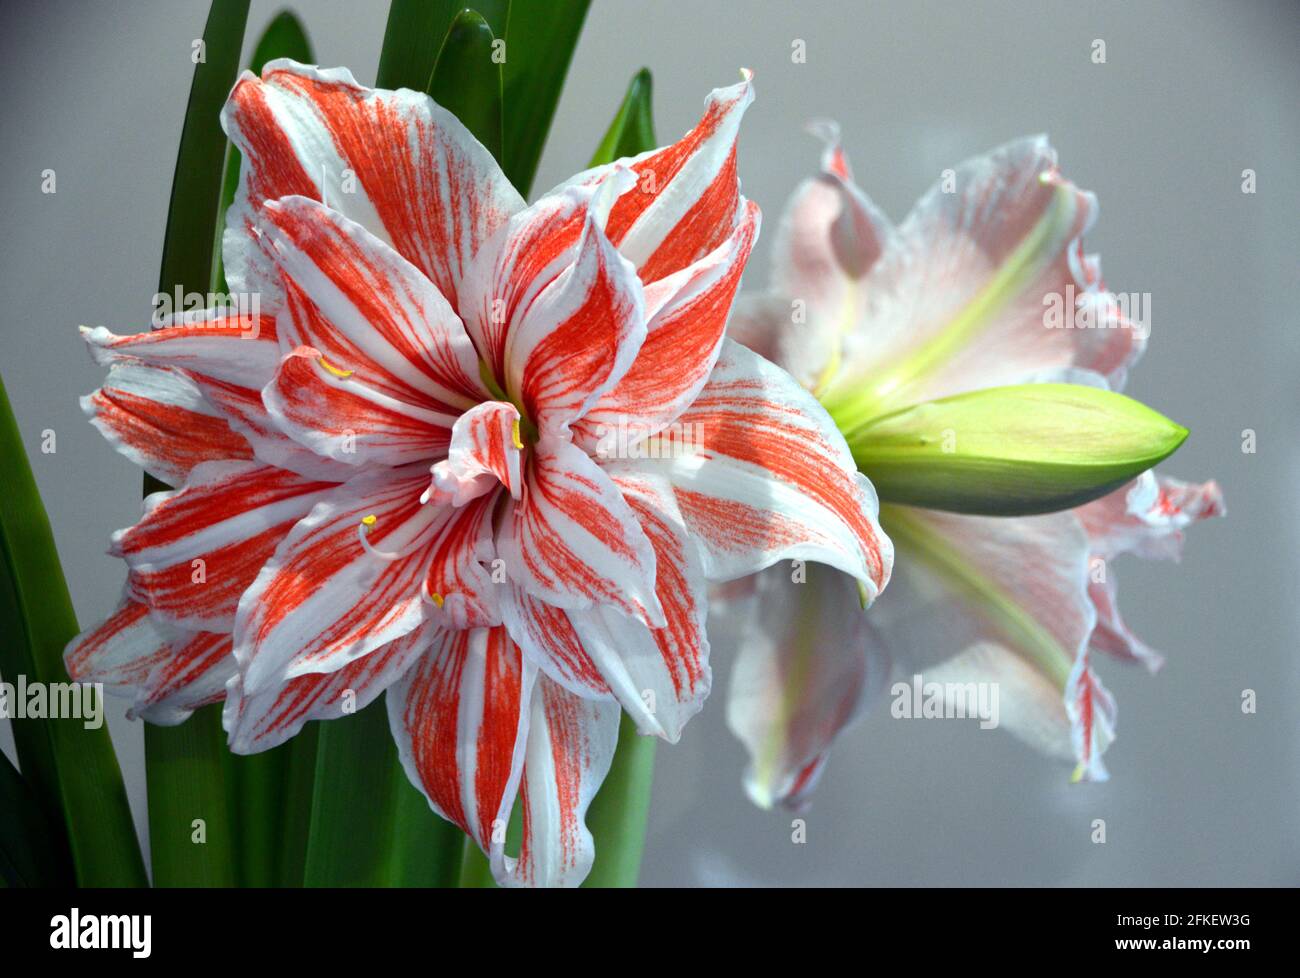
(687, 313)
(572, 540)
(461, 590)
(484, 453)
(661, 676)
(1148, 516)
(344, 419)
(805, 670)
(570, 746)
(547, 636)
(337, 587)
(168, 673)
(159, 419)
(687, 198)
(265, 720)
(231, 345)
(373, 314)
(770, 478)
(459, 717)
(195, 551)
(395, 162)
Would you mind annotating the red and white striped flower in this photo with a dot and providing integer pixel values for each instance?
(396, 476)
(872, 318)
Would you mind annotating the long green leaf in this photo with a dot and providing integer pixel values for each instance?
(72, 770)
(183, 765)
(540, 39)
(414, 35)
(633, 124)
(31, 853)
(467, 80)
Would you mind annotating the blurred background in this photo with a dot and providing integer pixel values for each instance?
(1190, 95)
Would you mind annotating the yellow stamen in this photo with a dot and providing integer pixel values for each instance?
(336, 371)
(514, 434)
(370, 520)
(436, 598)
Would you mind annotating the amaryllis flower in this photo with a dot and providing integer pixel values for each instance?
(873, 318)
(400, 475)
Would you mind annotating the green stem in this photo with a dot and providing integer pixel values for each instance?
(295, 817)
(619, 812)
(190, 830)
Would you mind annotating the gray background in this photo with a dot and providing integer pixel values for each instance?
(1191, 94)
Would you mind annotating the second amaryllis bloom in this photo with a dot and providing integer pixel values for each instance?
(398, 474)
(985, 284)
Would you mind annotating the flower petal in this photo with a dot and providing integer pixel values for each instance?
(1111, 635)
(369, 310)
(347, 420)
(572, 540)
(462, 590)
(338, 588)
(195, 551)
(804, 671)
(484, 453)
(688, 313)
(661, 676)
(1001, 599)
(962, 299)
(158, 418)
(402, 166)
(167, 672)
(771, 478)
(687, 198)
(570, 747)
(236, 346)
(545, 634)
(265, 720)
(460, 719)
(1147, 517)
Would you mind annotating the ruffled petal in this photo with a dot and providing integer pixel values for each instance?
(374, 315)
(570, 746)
(195, 551)
(484, 453)
(805, 669)
(1001, 600)
(460, 720)
(687, 315)
(572, 540)
(346, 580)
(159, 419)
(1148, 516)
(395, 162)
(661, 676)
(345, 419)
(770, 478)
(229, 344)
(964, 297)
(687, 198)
(168, 673)
(265, 720)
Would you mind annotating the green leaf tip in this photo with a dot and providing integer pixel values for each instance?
(1013, 451)
(633, 130)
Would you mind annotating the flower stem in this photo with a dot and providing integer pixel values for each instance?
(619, 812)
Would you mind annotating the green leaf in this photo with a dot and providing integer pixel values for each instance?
(184, 766)
(467, 81)
(540, 40)
(633, 125)
(284, 37)
(414, 34)
(31, 854)
(1013, 451)
(369, 826)
(71, 770)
